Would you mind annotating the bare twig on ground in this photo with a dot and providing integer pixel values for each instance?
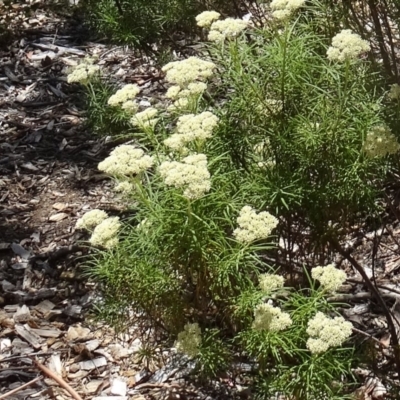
(11, 392)
(374, 290)
(58, 379)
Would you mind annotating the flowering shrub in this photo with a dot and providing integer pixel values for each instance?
(289, 129)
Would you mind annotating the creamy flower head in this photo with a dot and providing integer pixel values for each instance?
(206, 18)
(191, 174)
(128, 92)
(83, 72)
(124, 187)
(105, 234)
(347, 45)
(269, 282)
(184, 72)
(145, 118)
(331, 278)
(189, 340)
(253, 226)
(126, 160)
(394, 92)
(380, 142)
(192, 127)
(269, 318)
(91, 219)
(130, 106)
(283, 9)
(327, 332)
(226, 28)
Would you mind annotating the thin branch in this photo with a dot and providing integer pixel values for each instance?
(58, 379)
(392, 328)
(16, 390)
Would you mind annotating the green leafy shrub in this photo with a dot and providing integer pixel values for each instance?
(278, 126)
(141, 23)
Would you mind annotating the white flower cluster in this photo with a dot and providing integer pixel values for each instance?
(331, 278)
(380, 141)
(225, 29)
(269, 282)
(130, 106)
(184, 72)
(327, 332)
(188, 77)
(394, 92)
(253, 226)
(124, 187)
(145, 118)
(193, 89)
(189, 340)
(192, 127)
(206, 18)
(347, 45)
(191, 174)
(126, 160)
(128, 92)
(83, 72)
(269, 318)
(105, 234)
(91, 219)
(263, 155)
(283, 9)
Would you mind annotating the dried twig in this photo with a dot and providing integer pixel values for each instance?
(374, 291)
(11, 392)
(58, 379)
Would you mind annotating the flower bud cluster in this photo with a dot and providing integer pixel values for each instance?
(206, 18)
(269, 282)
(189, 340)
(283, 9)
(91, 219)
(105, 234)
(124, 187)
(191, 174)
(253, 226)
(327, 332)
(184, 72)
(394, 92)
(380, 141)
(347, 45)
(192, 127)
(128, 92)
(126, 160)
(226, 29)
(330, 277)
(145, 118)
(83, 72)
(269, 318)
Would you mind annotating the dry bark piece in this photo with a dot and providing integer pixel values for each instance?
(47, 333)
(58, 217)
(93, 386)
(77, 332)
(22, 314)
(93, 364)
(31, 337)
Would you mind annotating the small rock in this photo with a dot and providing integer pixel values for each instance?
(73, 311)
(118, 387)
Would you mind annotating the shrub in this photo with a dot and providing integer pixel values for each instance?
(141, 23)
(278, 125)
